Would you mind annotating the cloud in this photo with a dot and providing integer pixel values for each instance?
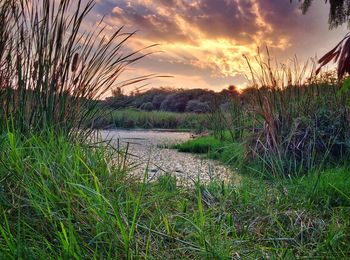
(209, 37)
(203, 33)
(186, 21)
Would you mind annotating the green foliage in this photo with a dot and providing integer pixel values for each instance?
(62, 198)
(197, 106)
(225, 151)
(199, 145)
(329, 188)
(147, 106)
(299, 129)
(345, 87)
(132, 118)
(51, 70)
(229, 117)
(51, 189)
(290, 124)
(167, 183)
(67, 200)
(171, 100)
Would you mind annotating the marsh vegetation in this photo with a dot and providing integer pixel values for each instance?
(64, 195)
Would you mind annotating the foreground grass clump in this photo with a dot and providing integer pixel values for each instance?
(133, 118)
(67, 200)
(328, 187)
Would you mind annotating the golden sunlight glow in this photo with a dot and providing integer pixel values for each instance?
(209, 39)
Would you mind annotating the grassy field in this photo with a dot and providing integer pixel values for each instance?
(66, 200)
(133, 118)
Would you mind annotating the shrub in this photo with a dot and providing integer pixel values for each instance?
(296, 127)
(290, 124)
(157, 100)
(147, 106)
(197, 106)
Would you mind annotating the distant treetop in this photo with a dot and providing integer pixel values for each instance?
(339, 11)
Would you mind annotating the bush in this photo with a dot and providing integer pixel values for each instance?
(158, 99)
(147, 106)
(197, 106)
(302, 133)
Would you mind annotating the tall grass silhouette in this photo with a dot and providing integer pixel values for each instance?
(292, 120)
(52, 70)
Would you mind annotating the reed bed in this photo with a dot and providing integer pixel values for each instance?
(133, 118)
(291, 121)
(51, 69)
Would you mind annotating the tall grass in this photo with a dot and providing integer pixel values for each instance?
(231, 118)
(297, 125)
(61, 199)
(55, 199)
(52, 69)
(290, 120)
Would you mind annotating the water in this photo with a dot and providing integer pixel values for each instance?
(147, 148)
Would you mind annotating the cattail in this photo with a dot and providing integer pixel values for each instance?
(35, 70)
(75, 62)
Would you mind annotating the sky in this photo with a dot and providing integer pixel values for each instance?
(201, 43)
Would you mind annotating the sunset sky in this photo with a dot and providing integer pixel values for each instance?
(201, 42)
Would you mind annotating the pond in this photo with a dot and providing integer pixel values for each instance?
(149, 148)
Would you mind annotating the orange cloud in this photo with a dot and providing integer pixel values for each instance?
(209, 37)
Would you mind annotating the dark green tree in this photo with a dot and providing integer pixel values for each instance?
(339, 12)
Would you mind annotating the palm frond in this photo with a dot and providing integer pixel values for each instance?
(339, 54)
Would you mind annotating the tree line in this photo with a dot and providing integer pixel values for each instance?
(172, 100)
